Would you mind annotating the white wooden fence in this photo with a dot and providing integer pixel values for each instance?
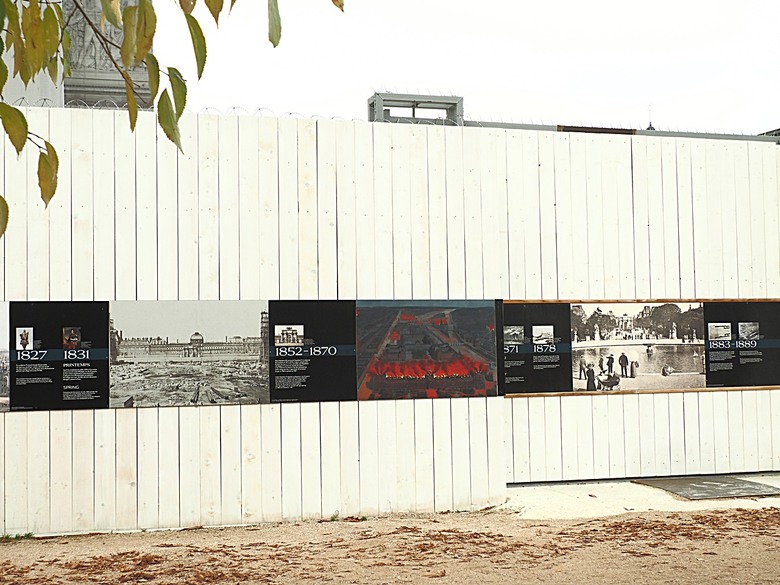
(265, 208)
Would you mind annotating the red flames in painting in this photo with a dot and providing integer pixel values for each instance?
(461, 366)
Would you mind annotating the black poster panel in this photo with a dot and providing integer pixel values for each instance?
(312, 350)
(59, 355)
(742, 343)
(536, 348)
(426, 349)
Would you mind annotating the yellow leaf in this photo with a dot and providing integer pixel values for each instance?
(127, 51)
(51, 32)
(198, 43)
(274, 23)
(168, 120)
(112, 12)
(153, 75)
(338, 4)
(215, 7)
(3, 215)
(145, 27)
(132, 105)
(187, 5)
(48, 166)
(15, 126)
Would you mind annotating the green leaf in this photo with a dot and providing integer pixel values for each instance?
(232, 2)
(179, 89)
(111, 12)
(187, 6)
(127, 51)
(3, 15)
(60, 15)
(215, 7)
(53, 69)
(145, 27)
(3, 75)
(66, 40)
(15, 125)
(168, 120)
(132, 105)
(51, 32)
(153, 74)
(48, 165)
(274, 23)
(12, 13)
(3, 215)
(198, 43)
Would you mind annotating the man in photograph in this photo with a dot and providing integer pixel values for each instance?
(623, 361)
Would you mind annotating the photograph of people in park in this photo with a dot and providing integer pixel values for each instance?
(637, 346)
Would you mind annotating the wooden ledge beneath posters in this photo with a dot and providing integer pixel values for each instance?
(628, 392)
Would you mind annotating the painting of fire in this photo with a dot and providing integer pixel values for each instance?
(426, 349)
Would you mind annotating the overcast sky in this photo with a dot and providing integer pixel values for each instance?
(701, 66)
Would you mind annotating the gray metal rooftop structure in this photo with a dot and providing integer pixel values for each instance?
(452, 108)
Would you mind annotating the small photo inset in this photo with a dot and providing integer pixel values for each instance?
(514, 334)
(288, 335)
(24, 338)
(719, 331)
(748, 330)
(71, 337)
(544, 334)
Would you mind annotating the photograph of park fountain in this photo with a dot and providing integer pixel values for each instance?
(180, 353)
(637, 346)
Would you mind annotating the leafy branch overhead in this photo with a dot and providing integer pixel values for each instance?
(36, 32)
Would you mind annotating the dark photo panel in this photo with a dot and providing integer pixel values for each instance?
(312, 350)
(536, 352)
(743, 343)
(58, 355)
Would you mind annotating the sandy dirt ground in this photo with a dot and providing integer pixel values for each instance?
(495, 546)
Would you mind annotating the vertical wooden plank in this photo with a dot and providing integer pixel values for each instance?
(456, 229)
(350, 455)
(610, 216)
(423, 456)
(437, 205)
(208, 208)
(168, 458)
(618, 438)
(764, 430)
(251, 454)
(364, 211)
(105, 469)
(633, 439)
(331, 459)
(699, 196)
(626, 253)
(641, 213)
(271, 463)
(37, 216)
(311, 456)
(249, 209)
(104, 193)
(388, 477)
(291, 461)
(585, 433)
(166, 165)
(677, 434)
(707, 432)
(552, 437)
(595, 191)
(418, 188)
(753, 185)
(461, 472)
(146, 206)
(771, 170)
(229, 210)
(531, 196)
(288, 208)
(188, 210)
(744, 217)
(655, 217)
(368, 428)
(569, 452)
(509, 442)
(16, 486)
(736, 432)
(496, 447)
(750, 429)
(647, 440)
(729, 227)
(383, 209)
(59, 210)
(775, 402)
(307, 208)
(38, 478)
(61, 448)
(661, 433)
(230, 460)
(442, 456)
(472, 213)
(691, 432)
(189, 466)
(210, 473)
(405, 461)
(547, 215)
(148, 468)
(516, 213)
(15, 237)
(326, 210)
(125, 209)
(537, 456)
(564, 221)
(671, 218)
(520, 440)
(722, 431)
(714, 177)
(600, 419)
(478, 453)
(492, 169)
(126, 469)
(84, 471)
(685, 212)
(579, 214)
(269, 207)
(345, 204)
(401, 200)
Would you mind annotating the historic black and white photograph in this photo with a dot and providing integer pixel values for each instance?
(748, 330)
(637, 346)
(178, 353)
(544, 334)
(288, 335)
(24, 338)
(514, 334)
(719, 331)
(5, 398)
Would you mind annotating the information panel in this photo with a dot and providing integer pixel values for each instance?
(743, 343)
(59, 355)
(312, 350)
